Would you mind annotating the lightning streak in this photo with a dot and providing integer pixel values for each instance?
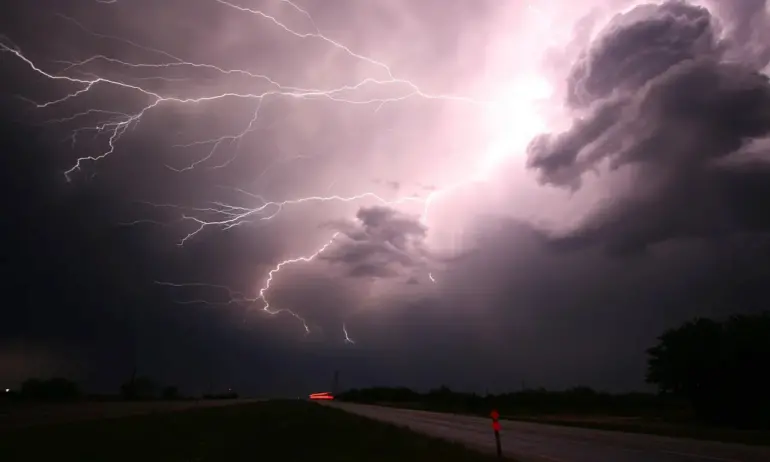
(236, 297)
(230, 216)
(263, 291)
(347, 337)
(114, 124)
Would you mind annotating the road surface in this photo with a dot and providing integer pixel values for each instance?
(40, 414)
(531, 442)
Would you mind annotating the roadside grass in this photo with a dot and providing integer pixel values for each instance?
(272, 430)
(659, 428)
(643, 425)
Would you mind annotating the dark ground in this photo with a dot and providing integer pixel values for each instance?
(273, 430)
(27, 414)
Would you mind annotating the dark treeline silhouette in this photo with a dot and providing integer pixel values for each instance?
(59, 390)
(721, 367)
(706, 370)
(228, 395)
(575, 401)
(55, 389)
(170, 393)
(139, 388)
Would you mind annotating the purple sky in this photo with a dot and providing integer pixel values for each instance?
(534, 188)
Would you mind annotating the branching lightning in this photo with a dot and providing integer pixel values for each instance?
(114, 124)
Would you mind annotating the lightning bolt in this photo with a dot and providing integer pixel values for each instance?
(114, 124)
(263, 290)
(347, 337)
(230, 216)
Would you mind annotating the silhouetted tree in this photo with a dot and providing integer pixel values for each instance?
(720, 367)
(170, 393)
(229, 395)
(139, 388)
(381, 395)
(56, 389)
(529, 402)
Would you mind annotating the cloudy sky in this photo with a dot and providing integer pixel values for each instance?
(476, 193)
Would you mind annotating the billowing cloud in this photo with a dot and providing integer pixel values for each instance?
(637, 46)
(747, 30)
(381, 242)
(655, 94)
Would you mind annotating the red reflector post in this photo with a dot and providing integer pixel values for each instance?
(496, 427)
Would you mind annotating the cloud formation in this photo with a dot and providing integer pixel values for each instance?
(657, 94)
(381, 242)
(666, 104)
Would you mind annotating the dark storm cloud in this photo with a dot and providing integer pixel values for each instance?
(748, 30)
(83, 302)
(515, 295)
(91, 284)
(88, 296)
(660, 98)
(381, 242)
(637, 46)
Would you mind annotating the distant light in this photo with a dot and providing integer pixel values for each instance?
(7, 390)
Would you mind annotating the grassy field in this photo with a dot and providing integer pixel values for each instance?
(25, 414)
(645, 425)
(651, 427)
(273, 430)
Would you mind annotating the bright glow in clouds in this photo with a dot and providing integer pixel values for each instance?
(513, 122)
(514, 86)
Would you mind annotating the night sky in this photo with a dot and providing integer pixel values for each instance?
(505, 193)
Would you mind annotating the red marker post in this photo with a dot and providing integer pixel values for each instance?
(496, 427)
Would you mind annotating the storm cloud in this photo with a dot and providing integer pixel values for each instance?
(427, 225)
(658, 96)
(381, 242)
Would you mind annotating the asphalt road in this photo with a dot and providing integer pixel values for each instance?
(533, 442)
(42, 414)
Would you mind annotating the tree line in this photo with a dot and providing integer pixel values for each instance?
(59, 389)
(526, 402)
(711, 371)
